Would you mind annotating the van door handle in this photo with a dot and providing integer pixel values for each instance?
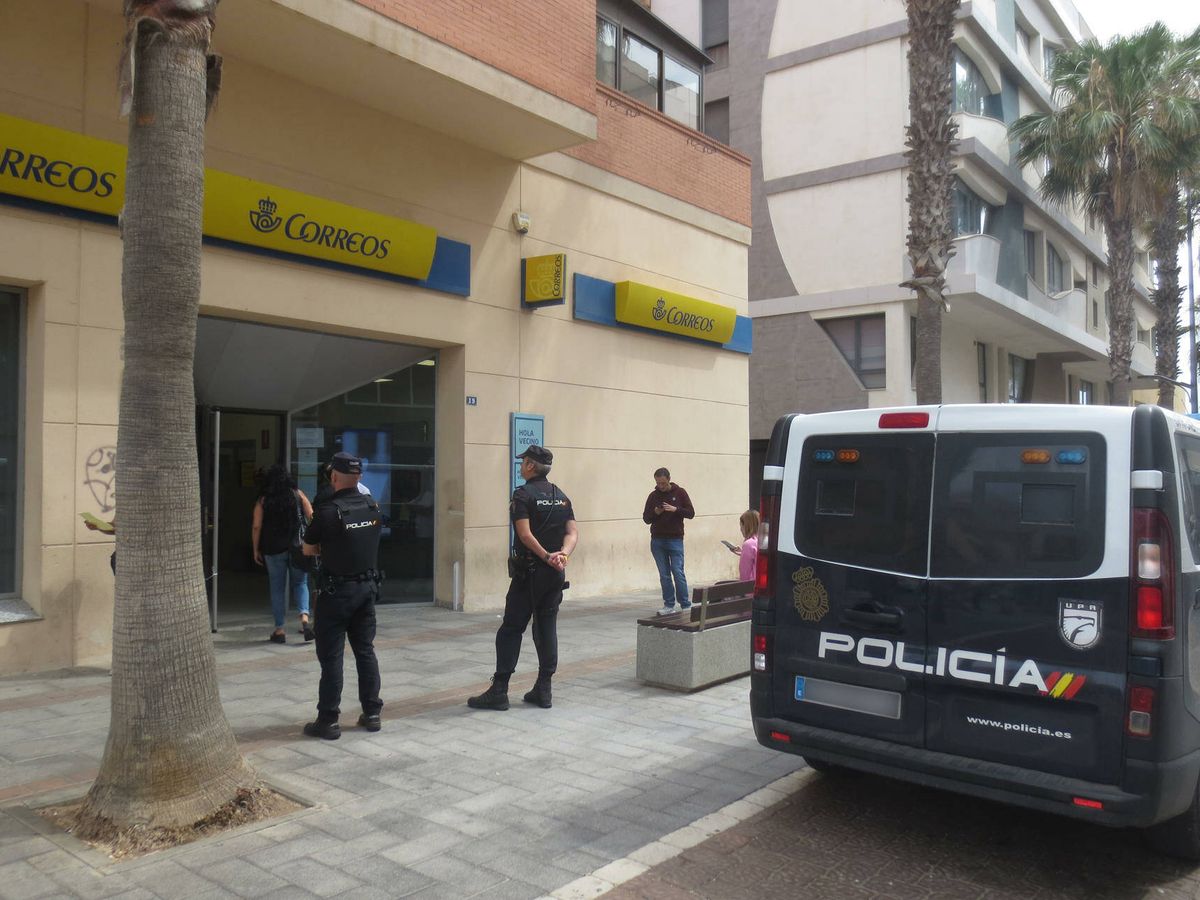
(873, 615)
(1196, 599)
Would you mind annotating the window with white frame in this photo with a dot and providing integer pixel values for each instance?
(1087, 393)
(861, 341)
(1054, 270)
(972, 214)
(970, 87)
(10, 439)
(1049, 55)
(1018, 379)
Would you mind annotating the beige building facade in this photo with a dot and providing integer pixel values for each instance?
(332, 103)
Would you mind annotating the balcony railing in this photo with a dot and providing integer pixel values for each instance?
(975, 254)
(991, 133)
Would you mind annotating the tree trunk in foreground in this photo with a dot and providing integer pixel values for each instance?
(1119, 296)
(171, 757)
(1164, 248)
(930, 141)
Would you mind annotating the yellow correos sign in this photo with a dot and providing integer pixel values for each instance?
(67, 169)
(649, 307)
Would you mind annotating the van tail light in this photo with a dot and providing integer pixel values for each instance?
(765, 562)
(1140, 713)
(781, 737)
(1152, 570)
(761, 647)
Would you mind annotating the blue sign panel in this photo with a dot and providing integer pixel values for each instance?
(525, 429)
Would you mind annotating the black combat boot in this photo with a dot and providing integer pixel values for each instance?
(540, 695)
(495, 697)
(330, 731)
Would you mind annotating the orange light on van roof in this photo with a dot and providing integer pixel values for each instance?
(847, 456)
(1035, 456)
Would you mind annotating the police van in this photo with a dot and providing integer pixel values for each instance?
(998, 600)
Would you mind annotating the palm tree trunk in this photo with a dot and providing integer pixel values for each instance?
(171, 757)
(1164, 247)
(1119, 229)
(930, 141)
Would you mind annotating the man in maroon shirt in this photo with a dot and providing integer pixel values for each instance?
(666, 508)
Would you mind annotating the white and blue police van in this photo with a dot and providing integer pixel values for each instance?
(1002, 601)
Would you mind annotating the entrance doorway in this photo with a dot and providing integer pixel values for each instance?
(271, 395)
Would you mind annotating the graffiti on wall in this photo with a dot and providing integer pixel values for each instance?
(99, 474)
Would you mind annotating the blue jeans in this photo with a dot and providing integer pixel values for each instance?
(668, 555)
(278, 569)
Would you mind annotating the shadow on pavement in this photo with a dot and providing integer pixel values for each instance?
(848, 835)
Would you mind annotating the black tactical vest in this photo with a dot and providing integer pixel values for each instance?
(351, 546)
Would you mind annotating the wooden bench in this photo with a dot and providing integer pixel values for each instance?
(702, 646)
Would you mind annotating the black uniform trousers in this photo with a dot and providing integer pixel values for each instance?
(347, 611)
(536, 596)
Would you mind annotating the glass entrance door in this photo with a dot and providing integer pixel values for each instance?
(389, 423)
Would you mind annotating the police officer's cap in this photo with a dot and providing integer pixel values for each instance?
(537, 454)
(346, 463)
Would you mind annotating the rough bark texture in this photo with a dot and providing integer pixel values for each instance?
(930, 141)
(1164, 248)
(1119, 297)
(171, 757)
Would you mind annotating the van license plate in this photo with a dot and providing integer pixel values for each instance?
(851, 697)
(799, 687)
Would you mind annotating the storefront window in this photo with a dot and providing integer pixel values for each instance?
(640, 70)
(10, 430)
(681, 93)
(606, 52)
(389, 423)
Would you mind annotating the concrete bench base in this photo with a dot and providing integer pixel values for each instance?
(690, 660)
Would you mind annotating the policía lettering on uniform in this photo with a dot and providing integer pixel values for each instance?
(300, 228)
(58, 173)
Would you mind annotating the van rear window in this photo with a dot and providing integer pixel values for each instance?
(1018, 505)
(864, 500)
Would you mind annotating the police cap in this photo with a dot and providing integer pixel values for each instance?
(346, 463)
(537, 454)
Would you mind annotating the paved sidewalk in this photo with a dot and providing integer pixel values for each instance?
(444, 802)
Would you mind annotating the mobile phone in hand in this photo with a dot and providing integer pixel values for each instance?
(732, 549)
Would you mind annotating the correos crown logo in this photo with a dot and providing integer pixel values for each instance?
(298, 227)
(660, 310)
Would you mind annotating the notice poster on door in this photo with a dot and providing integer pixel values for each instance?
(310, 437)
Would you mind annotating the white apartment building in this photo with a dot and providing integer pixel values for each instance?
(817, 95)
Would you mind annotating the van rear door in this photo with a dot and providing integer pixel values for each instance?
(850, 589)
(1029, 596)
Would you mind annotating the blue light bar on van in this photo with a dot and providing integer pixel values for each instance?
(823, 456)
(1071, 457)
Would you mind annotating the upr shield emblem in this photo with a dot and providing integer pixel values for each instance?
(1079, 623)
(809, 595)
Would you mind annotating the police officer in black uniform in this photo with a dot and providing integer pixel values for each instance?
(345, 533)
(544, 521)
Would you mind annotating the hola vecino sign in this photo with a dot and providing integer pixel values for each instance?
(51, 165)
(649, 307)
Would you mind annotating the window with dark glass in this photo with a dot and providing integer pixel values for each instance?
(1095, 313)
(861, 341)
(998, 514)
(1018, 373)
(640, 70)
(972, 214)
(970, 88)
(1054, 270)
(681, 92)
(1024, 39)
(1087, 393)
(10, 435)
(606, 52)
(1049, 55)
(871, 512)
(1031, 239)
(981, 362)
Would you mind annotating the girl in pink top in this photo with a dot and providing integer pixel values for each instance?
(748, 552)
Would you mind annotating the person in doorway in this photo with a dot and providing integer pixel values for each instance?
(544, 521)
(345, 533)
(279, 514)
(748, 552)
(666, 508)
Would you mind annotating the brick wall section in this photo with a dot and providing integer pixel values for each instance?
(654, 150)
(550, 44)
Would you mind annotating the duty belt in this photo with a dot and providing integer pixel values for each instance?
(369, 575)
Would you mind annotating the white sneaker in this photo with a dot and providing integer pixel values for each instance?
(666, 611)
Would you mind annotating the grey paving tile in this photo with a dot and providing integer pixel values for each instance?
(315, 878)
